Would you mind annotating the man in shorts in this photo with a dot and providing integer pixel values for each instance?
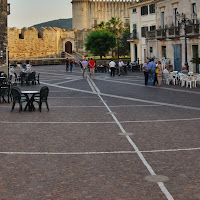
(84, 65)
(92, 67)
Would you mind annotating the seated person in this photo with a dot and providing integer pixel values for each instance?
(184, 70)
(166, 71)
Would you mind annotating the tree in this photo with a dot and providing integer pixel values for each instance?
(100, 42)
(196, 60)
(124, 45)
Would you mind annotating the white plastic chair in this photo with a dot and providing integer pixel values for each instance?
(191, 81)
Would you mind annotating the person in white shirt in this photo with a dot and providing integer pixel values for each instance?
(112, 68)
(121, 65)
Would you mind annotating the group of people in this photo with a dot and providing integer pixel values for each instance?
(69, 64)
(152, 72)
(85, 65)
(121, 68)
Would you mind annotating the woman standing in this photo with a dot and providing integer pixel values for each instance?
(159, 74)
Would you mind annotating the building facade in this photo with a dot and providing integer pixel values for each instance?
(142, 19)
(168, 40)
(88, 13)
(4, 12)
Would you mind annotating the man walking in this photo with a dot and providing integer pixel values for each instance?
(84, 65)
(151, 72)
(92, 67)
(145, 69)
(112, 68)
(67, 64)
(121, 65)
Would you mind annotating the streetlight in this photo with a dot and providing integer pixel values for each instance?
(181, 18)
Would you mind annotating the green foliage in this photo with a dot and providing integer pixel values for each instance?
(124, 45)
(100, 42)
(196, 60)
(60, 23)
(115, 27)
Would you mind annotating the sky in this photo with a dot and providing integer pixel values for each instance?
(25, 13)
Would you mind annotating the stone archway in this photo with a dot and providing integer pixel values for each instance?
(68, 47)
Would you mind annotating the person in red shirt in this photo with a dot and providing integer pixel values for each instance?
(92, 67)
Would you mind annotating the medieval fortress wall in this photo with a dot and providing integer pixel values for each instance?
(30, 43)
(88, 13)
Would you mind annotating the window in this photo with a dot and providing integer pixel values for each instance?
(95, 23)
(134, 10)
(21, 36)
(162, 20)
(152, 28)
(175, 20)
(135, 28)
(164, 51)
(144, 10)
(152, 8)
(144, 31)
(194, 11)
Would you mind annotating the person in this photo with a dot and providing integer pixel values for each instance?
(84, 63)
(151, 72)
(165, 74)
(120, 64)
(184, 70)
(92, 67)
(159, 74)
(156, 73)
(67, 64)
(71, 65)
(112, 68)
(145, 69)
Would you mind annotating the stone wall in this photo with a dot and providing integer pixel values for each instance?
(30, 43)
(3, 34)
(88, 13)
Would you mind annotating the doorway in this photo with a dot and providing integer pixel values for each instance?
(177, 57)
(68, 47)
(195, 50)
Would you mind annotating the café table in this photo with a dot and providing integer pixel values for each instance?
(30, 99)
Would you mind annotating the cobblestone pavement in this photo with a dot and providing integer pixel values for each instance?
(107, 138)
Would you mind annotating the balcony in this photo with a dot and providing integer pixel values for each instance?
(173, 32)
(161, 34)
(133, 36)
(192, 30)
(150, 35)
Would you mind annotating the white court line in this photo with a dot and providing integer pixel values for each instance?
(107, 122)
(127, 98)
(67, 81)
(96, 153)
(68, 88)
(142, 85)
(150, 169)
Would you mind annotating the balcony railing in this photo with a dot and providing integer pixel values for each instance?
(133, 36)
(161, 34)
(150, 35)
(192, 30)
(173, 32)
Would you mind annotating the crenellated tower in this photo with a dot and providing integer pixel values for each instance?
(89, 13)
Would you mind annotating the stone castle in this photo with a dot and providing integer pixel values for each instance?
(30, 43)
(4, 11)
(89, 13)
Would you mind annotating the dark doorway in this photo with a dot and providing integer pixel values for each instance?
(68, 47)
(135, 52)
(177, 57)
(195, 50)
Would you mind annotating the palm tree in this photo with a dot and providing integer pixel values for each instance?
(101, 26)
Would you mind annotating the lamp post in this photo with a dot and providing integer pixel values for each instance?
(181, 18)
